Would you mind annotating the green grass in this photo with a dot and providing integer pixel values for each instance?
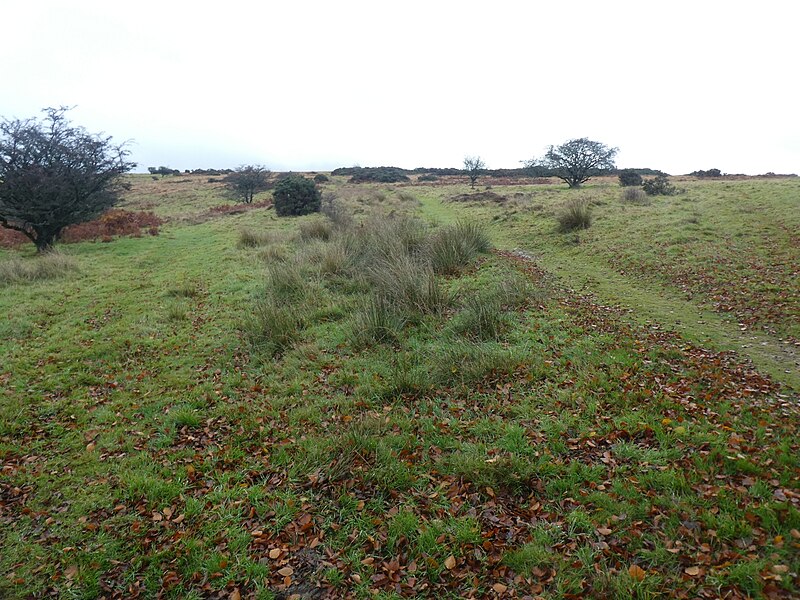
(187, 416)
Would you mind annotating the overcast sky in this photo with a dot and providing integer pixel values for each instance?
(304, 85)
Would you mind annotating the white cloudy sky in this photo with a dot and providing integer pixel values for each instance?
(314, 84)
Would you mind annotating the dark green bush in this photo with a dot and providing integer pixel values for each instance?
(629, 178)
(659, 186)
(710, 173)
(295, 195)
(321, 178)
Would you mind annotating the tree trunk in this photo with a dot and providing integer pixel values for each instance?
(44, 241)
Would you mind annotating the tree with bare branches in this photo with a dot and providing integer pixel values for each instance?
(576, 161)
(474, 166)
(54, 174)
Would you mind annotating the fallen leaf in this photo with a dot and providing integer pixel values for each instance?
(274, 553)
(603, 531)
(692, 571)
(450, 562)
(235, 595)
(780, 568)
(285, 571)
(499, 588)
(636, 573)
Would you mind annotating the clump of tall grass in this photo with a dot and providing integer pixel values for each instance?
(634, 195)
(184, 288)
(250, 238)
(274, 326)
(50, 265)
(286, 280)
(576, 214)
(376, 321)
(408, 283)
(482, 318)
(453, 247)
(315, 229)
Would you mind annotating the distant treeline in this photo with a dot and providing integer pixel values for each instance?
(169, 171)
(397, 174)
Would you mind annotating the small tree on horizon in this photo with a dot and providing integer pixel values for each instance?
(474, 167)
(54, 174)
(247, 181)
(576, 161)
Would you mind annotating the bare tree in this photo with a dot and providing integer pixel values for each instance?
(576, 161)
(474, 167)
(54, 174)
(248, 180)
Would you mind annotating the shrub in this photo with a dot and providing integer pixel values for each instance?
(321, 178)
(634, 195)
(295, 195)
(629, 177)
(374, 174)
(659, 186)
(50, 265)
(115, 222)
(709, 173)
(576, 214)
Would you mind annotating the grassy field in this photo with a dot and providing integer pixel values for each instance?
(381, 405)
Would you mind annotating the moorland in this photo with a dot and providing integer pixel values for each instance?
(427, 390)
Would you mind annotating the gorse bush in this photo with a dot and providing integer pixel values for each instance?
(576, 214)
(295, 195)
(629, 177)
(50, 265)
(659, 186)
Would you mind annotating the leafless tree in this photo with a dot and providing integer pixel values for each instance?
(54, 174)
(474, 167)
(576, 161)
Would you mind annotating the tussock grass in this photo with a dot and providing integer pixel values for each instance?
(408, 284)
(315, 229)
(274, 326)
(286, 280)
(251, 238)
(452, 248)
(51, 265)
(482, 319)
(634, 195)
(185, 288)
(575, 214)
(376, 321)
